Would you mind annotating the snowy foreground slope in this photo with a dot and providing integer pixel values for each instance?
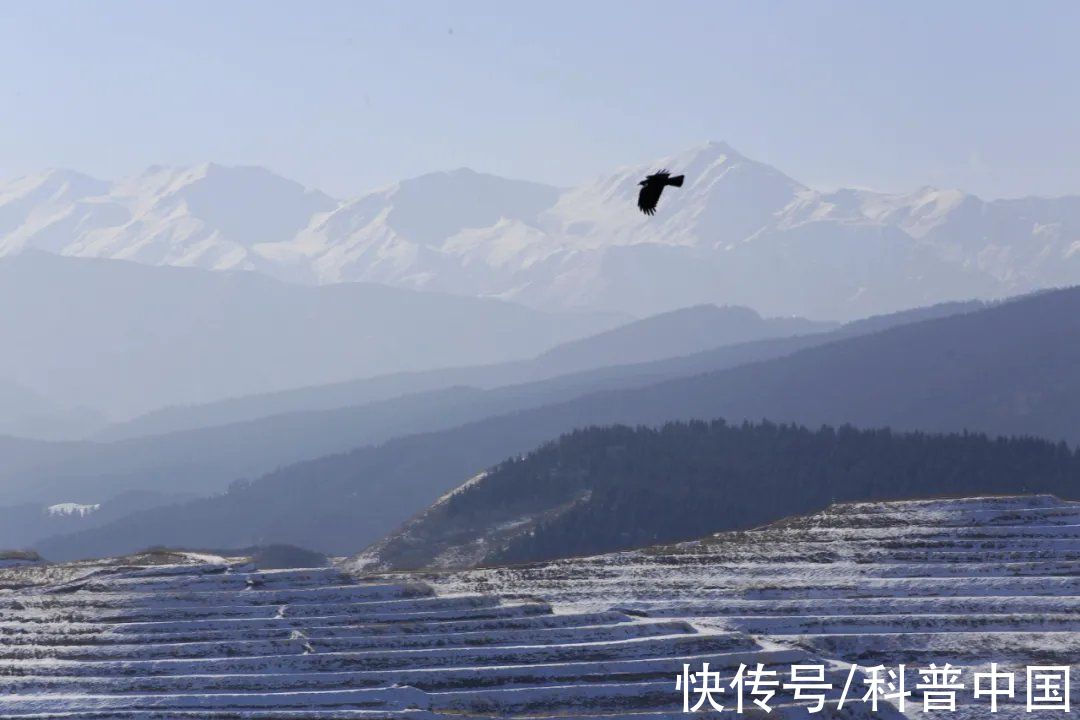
(179, 635)
(969, 582)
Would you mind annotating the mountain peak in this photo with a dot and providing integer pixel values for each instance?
(58, 183)
(462, 174)
(738, 231)
(241, 174)
(716, 158)
(65, 175)
(719, 146)
(712, 151)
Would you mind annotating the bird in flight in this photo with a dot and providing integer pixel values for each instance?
(652, 186)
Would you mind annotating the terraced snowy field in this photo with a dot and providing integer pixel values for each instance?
(174, 635)
(212, 638)
(969, 582)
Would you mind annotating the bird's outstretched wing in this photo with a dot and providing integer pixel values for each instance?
(649, 196)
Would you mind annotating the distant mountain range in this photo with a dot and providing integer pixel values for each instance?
(668, 335)
(124, 338)
(202, 448)
(29, 413)
(284, 428)
(739, 232)
(1008, 369)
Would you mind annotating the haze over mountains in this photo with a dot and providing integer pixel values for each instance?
(740, 232)
(203, 448)
(1009, 368)
(668, 335)
(124, 338)
(245, 330)
(214, 444)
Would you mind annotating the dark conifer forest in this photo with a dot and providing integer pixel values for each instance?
(601, 489)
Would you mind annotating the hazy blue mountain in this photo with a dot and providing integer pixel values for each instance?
(205, 460)
(673, 334)
(27, 413)
(1007, 369)
(21, 524)
(126, 338)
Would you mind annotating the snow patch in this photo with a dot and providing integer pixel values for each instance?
(70, 509)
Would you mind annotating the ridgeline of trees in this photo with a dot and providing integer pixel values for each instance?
(603, 489)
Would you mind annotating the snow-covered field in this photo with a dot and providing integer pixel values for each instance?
(174, 635)
(969, 582)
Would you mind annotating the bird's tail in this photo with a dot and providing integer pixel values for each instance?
(676, 181)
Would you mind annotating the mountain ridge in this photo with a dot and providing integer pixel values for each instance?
(604, 489)
(740, 232)
(668, 335)
(204, 459)
(931, 376)
(124, 337)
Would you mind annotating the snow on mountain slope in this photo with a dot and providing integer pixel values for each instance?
(739, 232)
(47, 211)
(70, 508)
(736, 233)
(208, 216)
(726, 199)
(405, 234)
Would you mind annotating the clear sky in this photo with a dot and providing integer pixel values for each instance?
(344, 96)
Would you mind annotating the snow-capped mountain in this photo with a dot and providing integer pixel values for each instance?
(739, 232)
(208, 216)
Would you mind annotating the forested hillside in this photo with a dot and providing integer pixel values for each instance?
(602, 489)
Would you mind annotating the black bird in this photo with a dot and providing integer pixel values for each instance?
(652, 186)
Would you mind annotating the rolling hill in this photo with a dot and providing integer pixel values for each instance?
(125, 338)
(668, 335)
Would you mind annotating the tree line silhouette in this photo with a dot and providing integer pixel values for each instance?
(610, 488)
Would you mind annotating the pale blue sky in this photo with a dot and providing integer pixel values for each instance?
(349, 95)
